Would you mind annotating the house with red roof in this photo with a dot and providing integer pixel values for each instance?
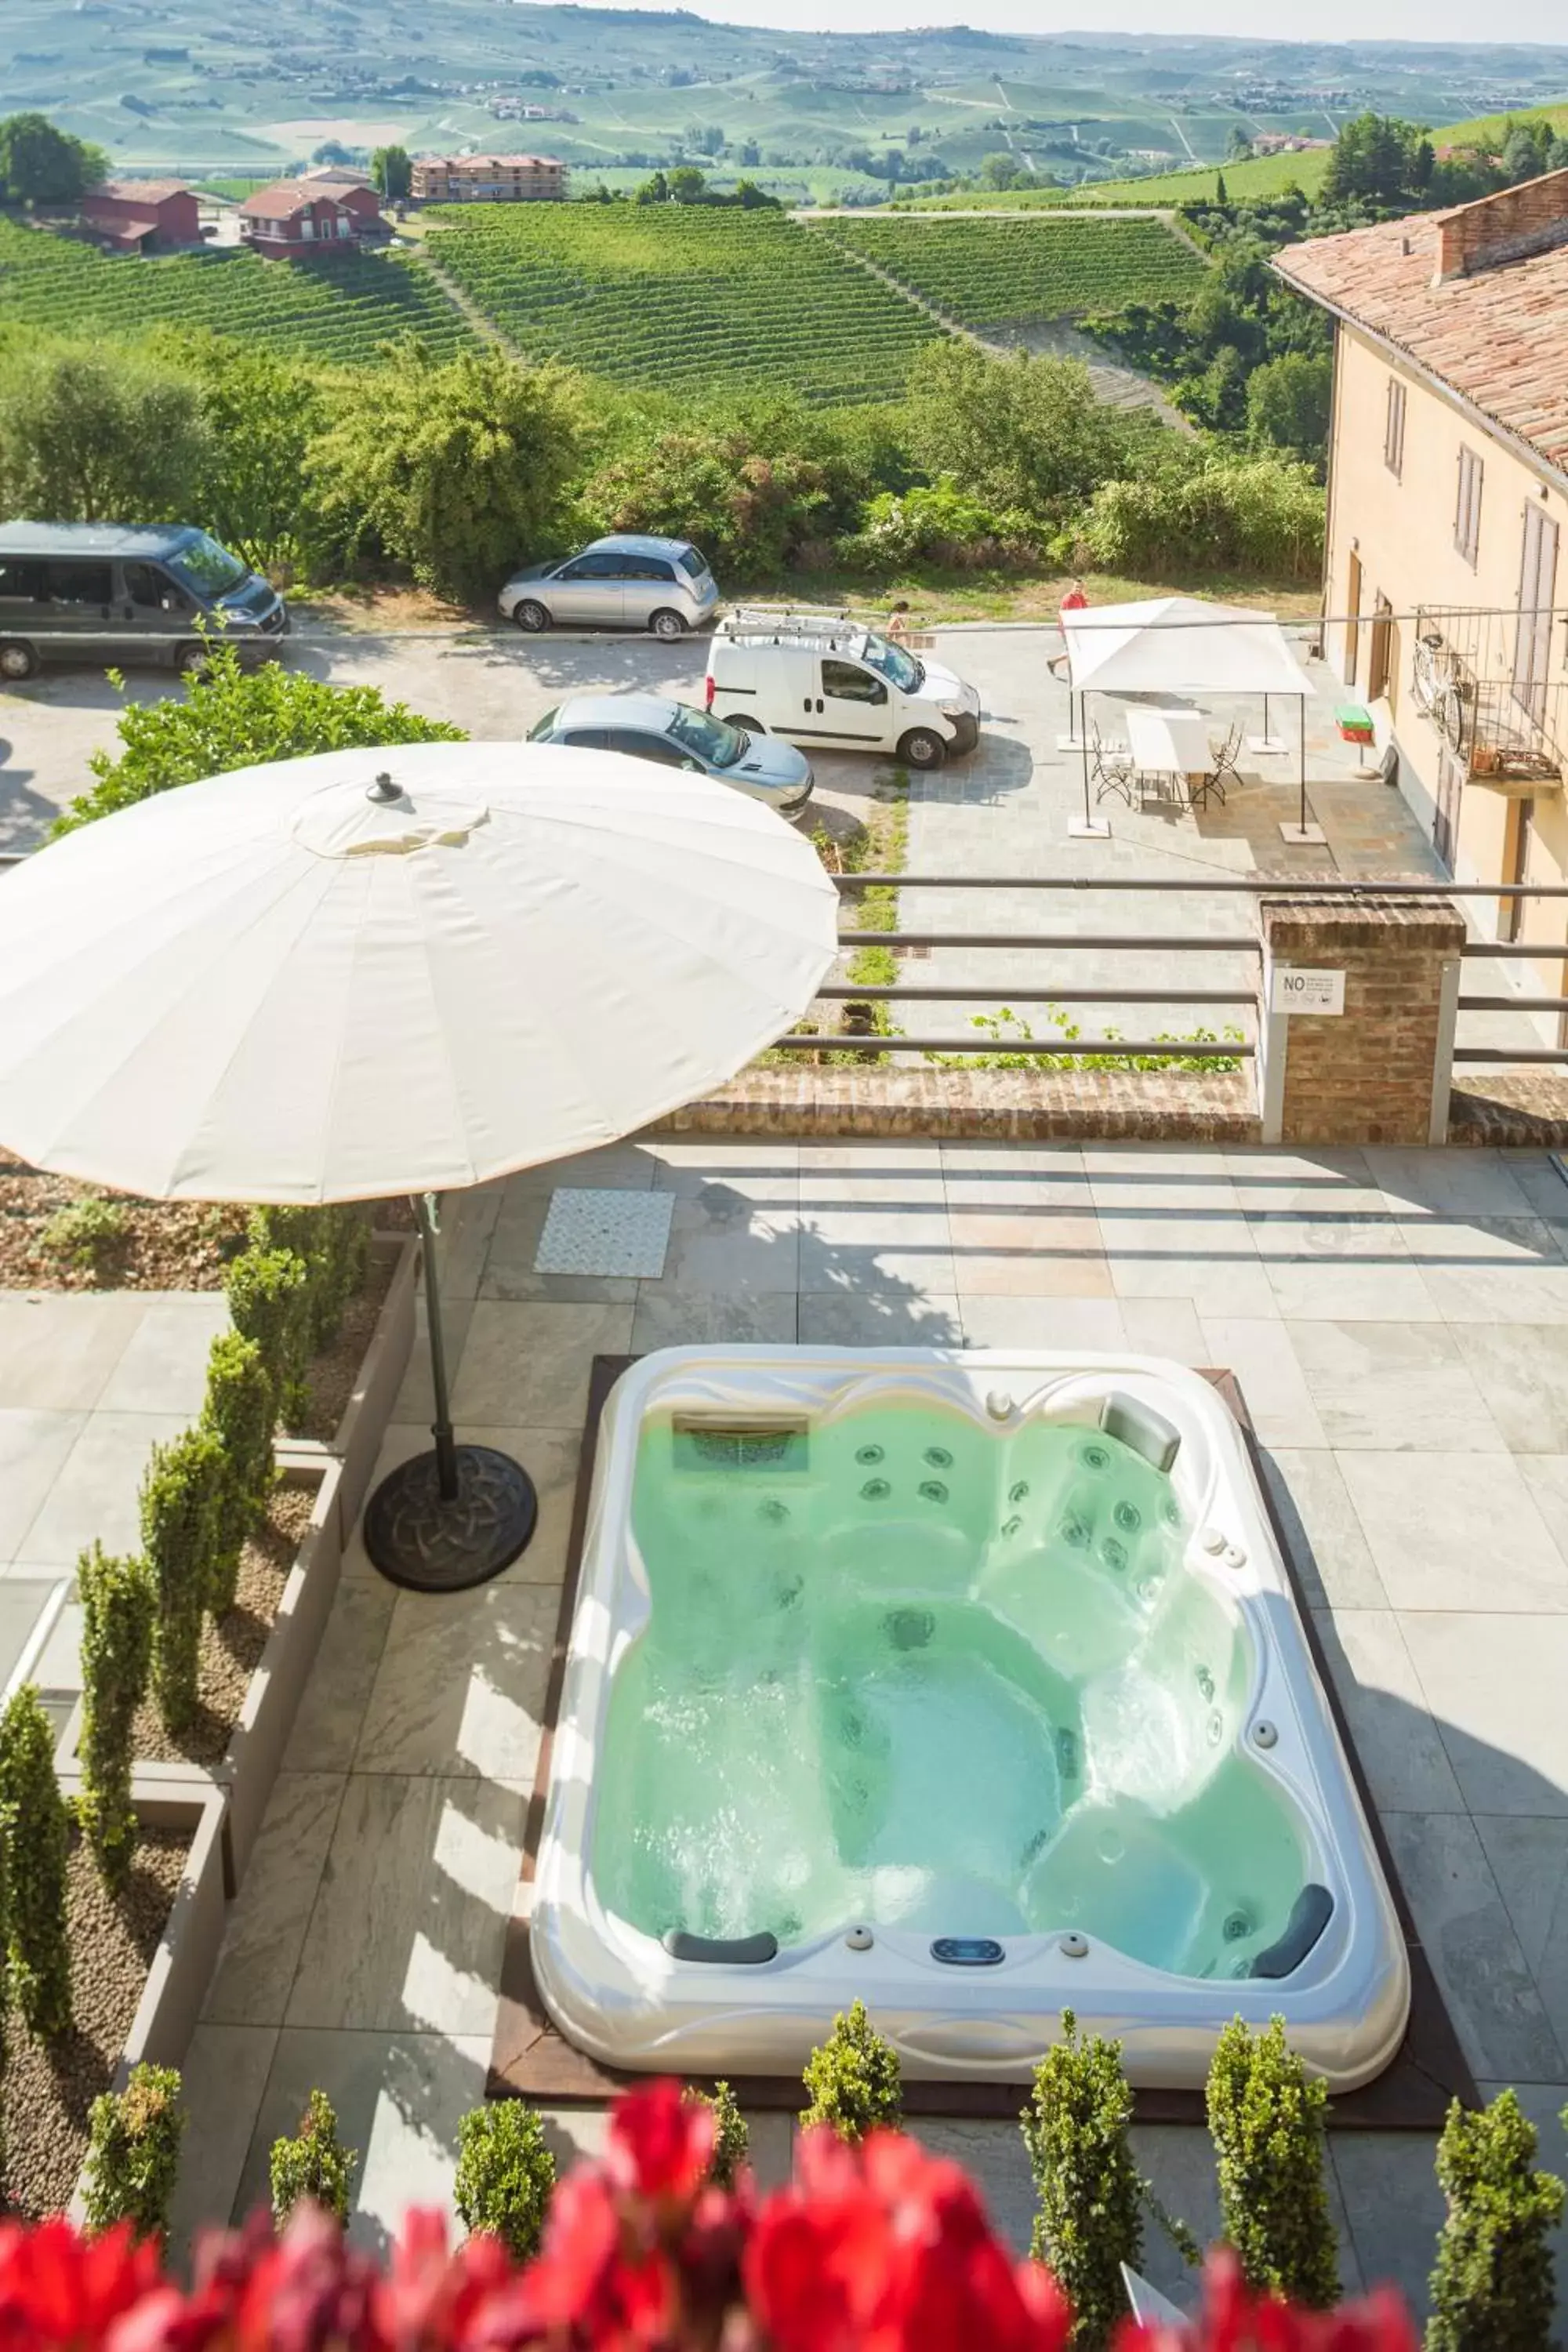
(301, 216)
(142, 215)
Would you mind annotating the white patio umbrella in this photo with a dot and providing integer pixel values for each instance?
(397, 971)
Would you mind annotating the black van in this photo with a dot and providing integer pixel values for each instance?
(107, 592)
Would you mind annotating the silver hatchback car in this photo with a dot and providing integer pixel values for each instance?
(631, 581)
(673, 735)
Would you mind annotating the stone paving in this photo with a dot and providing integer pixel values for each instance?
(1398, 1321)
(90, 1382)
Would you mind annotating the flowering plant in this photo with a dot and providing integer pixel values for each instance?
(879, 2247)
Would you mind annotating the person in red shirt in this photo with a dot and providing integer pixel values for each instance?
(1075, 600)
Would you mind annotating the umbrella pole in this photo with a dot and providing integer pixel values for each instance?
(456, 1516)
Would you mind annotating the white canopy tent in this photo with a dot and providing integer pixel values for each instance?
(1182, 645)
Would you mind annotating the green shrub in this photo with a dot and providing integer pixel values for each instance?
(179, 1533)
(240, 1410)
(86, 1234)
(1493, 2289)
(731, 2138)
(1076, 2129)
(313, 2164)
(134, 2154)
(116, 1610)
(268, 1293)
(38, 1842)
(1195, 511)
(938, 523)
(853, 2079)
(1266, 2119)
(505, 2175)
(332, 1240)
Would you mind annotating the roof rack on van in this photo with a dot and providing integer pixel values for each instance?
(780, 621)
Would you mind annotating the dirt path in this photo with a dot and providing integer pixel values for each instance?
(483, 324)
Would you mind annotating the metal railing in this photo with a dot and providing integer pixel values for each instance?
(1495, 686)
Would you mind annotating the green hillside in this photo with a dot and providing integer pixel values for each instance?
(681, 297)
(994, 273)
(330, 309)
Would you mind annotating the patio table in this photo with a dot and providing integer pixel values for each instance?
(1169, 742)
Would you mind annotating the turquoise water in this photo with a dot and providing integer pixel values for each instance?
(901, 1670)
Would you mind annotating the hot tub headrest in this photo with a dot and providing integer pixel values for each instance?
(1310, 1915)
(1147, 1431)
(719, 1951)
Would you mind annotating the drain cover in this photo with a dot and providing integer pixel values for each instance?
(605, 1233)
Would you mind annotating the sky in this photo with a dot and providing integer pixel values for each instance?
(1545, 21)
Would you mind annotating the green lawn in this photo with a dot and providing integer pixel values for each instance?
(682, 297)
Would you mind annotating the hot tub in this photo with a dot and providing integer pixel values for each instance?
(970, 1683)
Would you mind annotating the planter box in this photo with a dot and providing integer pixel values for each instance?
(182, 1967)
(356, 1442)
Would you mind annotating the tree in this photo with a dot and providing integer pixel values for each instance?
(117, 1609)
(1077, 2128)
(133, 2155)
(38, 1857)
(392, 171)
(1239, 146)
(853, 2079)
(1020, 434)
(687, 184)
(1000, 171)
(1287, 405)
(86, 439)
(654, 191)
(260, 411)
(505, 2175)
(454, 467)
(42, 165)
(1493, 2290)
(1379, 157)
(233, 718)
(313, 2163)
(1266, 2120)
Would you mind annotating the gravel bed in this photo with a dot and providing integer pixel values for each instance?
(167, 1244)
(49, 2087)
(232, 1644)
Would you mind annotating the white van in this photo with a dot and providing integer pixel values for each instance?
(822, 678)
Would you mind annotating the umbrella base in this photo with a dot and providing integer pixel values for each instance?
(418, 1539)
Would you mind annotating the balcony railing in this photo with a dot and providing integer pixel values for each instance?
(1495, 686)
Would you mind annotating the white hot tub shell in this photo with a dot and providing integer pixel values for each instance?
(956, 2003)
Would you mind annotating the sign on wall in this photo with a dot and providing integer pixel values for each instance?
(1296, 989)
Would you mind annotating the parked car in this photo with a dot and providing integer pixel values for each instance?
(102, 592)
(629, 581)
(821, 677)
(674, 735)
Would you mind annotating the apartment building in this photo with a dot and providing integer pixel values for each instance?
(1446, 575)
(488, 179)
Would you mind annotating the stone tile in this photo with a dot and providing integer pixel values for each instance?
(1399, 1745)
(1323, 1534)
(1464, 1243)
(771, 1162)
(1164, 1327)
(1523, 1368)
(1220, 1275)
(1386, 1385)
(508, 1271)
(415, 1398)
(1389, 2191)
(1474, 1954)
(527, 1367)
(892, 1157)
(467, 1222)
(163, 1366)
(399, 2097)
(853, 1318)
(58, 1348)
(332, 1703)
(33, 1447)
(1327, 1237)
(1495, 1684)
(1529, 1859)
(1546, 1476)
(1095, 1324)
(771, 2149)
(1014, 1253)
(95, 1493)
(1458, 1534)
(223, 2077)
(631, 1164)
(1177, 2159)
(268, 1919)
(1259, 1351)
(993, 2154)
(1544, 1187)
(22, 1601)
(460, 1687)
(1138, 1180)
(574, 2135)
(876, 1247)
(1272, 1181)
(1446, 1183)
(682, 1317)
(410, 1915)
(1016, 1176)
(1350, 1290)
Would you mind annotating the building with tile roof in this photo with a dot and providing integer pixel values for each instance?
(142, 215)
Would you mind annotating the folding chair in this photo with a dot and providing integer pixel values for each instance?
(1112, 772)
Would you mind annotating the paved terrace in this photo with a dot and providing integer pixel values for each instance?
(1399, 1325)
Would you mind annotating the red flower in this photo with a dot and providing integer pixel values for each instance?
(58, 2288)
(660, 2143)
(1232, 2319)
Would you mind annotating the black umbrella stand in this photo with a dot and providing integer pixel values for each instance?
(459, 1515)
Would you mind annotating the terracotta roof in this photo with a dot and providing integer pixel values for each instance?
(338, 175)
(491, 162)
(1499, 337)
(140, 192)
(284, 198)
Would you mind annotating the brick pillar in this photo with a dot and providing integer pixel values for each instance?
(1379, 1072)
